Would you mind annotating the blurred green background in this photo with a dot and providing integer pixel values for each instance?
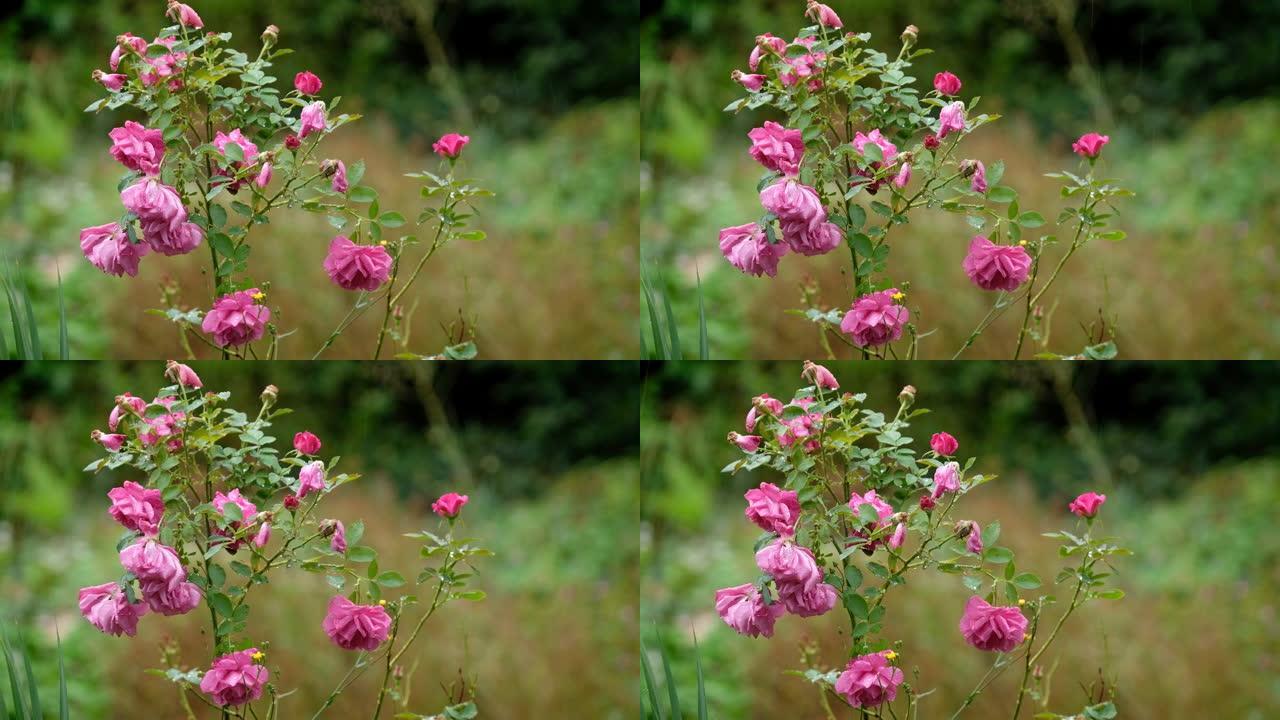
(1188, 455)
(1186, 92)
(546, 451)
(545, 89)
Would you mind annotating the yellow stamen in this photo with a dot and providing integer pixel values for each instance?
(1022, 601)
(382, 602)
(259, 295)
(1026, 636)
(1022, 242)
(257, 656)
(898, 296)
(890, 655)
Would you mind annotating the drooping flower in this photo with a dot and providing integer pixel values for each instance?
(126, 404)
(810, 602)
(307, 83)
(306, 443)
(313, 119)
(992, 628)
(824, 15)
(946, 479)
(449, 505)
(108, 249)
(112, 442)
(773, 509)
(356, 627)
(247, 509)
(875, 319)
(951, 119)
(184, 14)
(746, 443)
(136, 507)
(752, 82)
(450, 146)
(183, 375)
(357, 267)
(107, 608)
(787, 562)
(777, 148)
(819, 376)
(887, 149)
(747, 248)
(311, 478)
(744, 609)
(904, 175)
(996, 267)
(338, 542)
(944, 444)
(247, 148)
(1087, 505)
(179, 599)
(237, 318)
(128, 42)
(973, 543)
(152, 562)
(264, 535)
(155, 204)
(868, 681)
(110, 81)
(978, 183)
(767, 43)
(137, 147)
(339, 183)
(899, 536)
(1090, 145)
(773, 406)
(263, 177)
(792, 201)
(883, 510)
(946, 83)
(170, 240)
(811, 239)
(235, 679)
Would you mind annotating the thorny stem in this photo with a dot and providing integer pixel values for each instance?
(1033, 299)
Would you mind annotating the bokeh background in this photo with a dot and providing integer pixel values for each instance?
(1186, 92)
(545, 89)
(546, 451)
(1188, 455)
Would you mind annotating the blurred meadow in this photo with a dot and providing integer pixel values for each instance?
(1188, 455)
(1185, 91)
(548, 462)
(545, 89)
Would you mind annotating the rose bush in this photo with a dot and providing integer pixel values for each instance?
(857, 129)
(221, 152)
(859, 515)
(221, 511)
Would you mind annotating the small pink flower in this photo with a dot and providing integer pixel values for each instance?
(183, 375)
(154, 203)
(946, 479)
(996, 267)
(150, 561)
(338, 543)
(904, 175)
(357, 267)
(313, 119)
(1087, 505)
(110, 81)
(811, 602)
(747, 248)
(311, 478)
(107, 248)
(747, 443)
(172, 240)
(870, 498)
(292, 142)
(931, 141)
(875, 319)
(787, 562)
(263, 178)
(773, 509)
(450, 146)
(887, 149)
(772, 406)
(765, 44)
(264, 535)
(991, 628)
(137, 147)
(126, 404)
(868, 681)
(951, 119)
(946, 83)
(751, 82)
(106, 608)
(306, 443)
(978, 183)
(184, 14)
(237, 318)
(291, 501)
(824, 15)
(340, 177)
(247, 509)
(819, 376)
(777, 148)
(112, 442)
(136, 507)
(944, 444)
(793, 202)
(177, 600)
(356, 627)
(449, 505)
(307, 83)
(899, 536)
(811, 239)
(235, 679)
(973, 543)
(1090, 145)
(743, 609)
(128, 42)
(247, 148)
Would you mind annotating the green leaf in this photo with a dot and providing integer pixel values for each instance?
(1002, 194)
(362, 194)
(1027, 581)
(473, 595)
(391, 219)
(217, 576)
(390, 579)
(217, 216)
(1109, 594)
(857, 216)
(232, 512)
(1030, 219)
(997, 555)
(361, 554)
(1113, 235)
(472, 235)
(233, 152)
(221, 604)
(990, 534)
(872, 152)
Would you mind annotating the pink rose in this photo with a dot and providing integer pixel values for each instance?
(136, 507)
(973, 543)
(311, 478)
(247, 148)
(899, 536)
(356, 627)
(904, 175)
(931, 141)
(357, 267)
(819, 376)
(868, 681)
(811, 602)
(978, 183)
(237, 318)
(450, 146)
(235, 679)
(996, 267)
(883, 510)
(944, 444)
(184, 15)
(110, 81)
(292, 142)
(747, 443)
(125, 404)
(946, 83)
(765, 44)
(787, 562)
(773, 406)
(247, 509)
(991, 628)
(183, 375)
(793, 202)
(824, 15)
(152, 562)
(340, 177)
(263, 178)
(264, 535)
(291, 501)
(125, 43)
(743, 609)
(106, 608)
(773, 509)
(170, 240)
(154, 203)
(951, 119)
(777, 148)
(449, 505)
(107, 248)
(111, 442)
(751, 82)
(946, 479)
(1090, 145)
(887, 149)
(338, 543)
(747, 248)
(137, 148)
(808, 239)
(313, 119)
(875, 319)
(177, 600)
(307, 83)
(1086, 506)
(306, 443)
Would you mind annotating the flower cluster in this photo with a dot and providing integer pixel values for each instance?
(856, 127)
(194, 514)
(898, 513)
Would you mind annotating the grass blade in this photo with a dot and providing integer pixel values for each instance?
(702, 689)
(649, 686)
(19, 338)
(672, 694)
(704, 344)
(19, 704)
(660, 343)
(4, 710)
(32, 689)
(671, 321)
(64, 706)
(64, 340)
(32, 326)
